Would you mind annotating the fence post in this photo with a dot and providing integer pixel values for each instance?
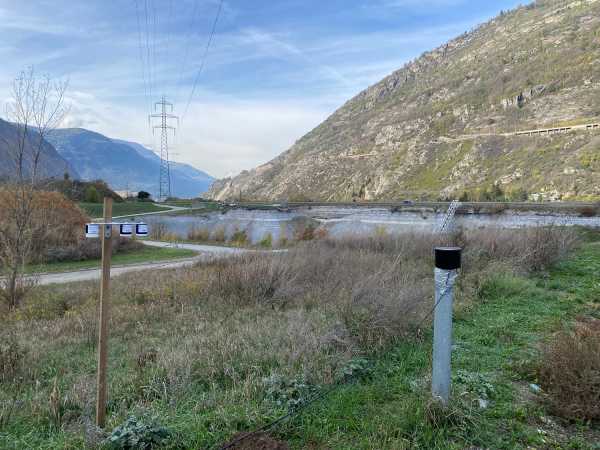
(104, 309)
(447, 262)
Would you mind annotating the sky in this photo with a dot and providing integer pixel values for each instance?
(274, 70)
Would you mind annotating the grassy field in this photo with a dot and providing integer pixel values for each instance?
(222, 348)
(496, 347)
(121, 209)
(145, 254)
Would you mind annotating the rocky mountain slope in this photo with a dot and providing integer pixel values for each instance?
(124, 165)
(51, 164)
(436, 127)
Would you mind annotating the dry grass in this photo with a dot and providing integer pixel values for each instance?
(160, 232)
(570, 371)
(198, 234)
(218, 329)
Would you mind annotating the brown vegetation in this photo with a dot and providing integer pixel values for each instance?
(27, 232)
(56, 220)
(222, 328)
(570, 371)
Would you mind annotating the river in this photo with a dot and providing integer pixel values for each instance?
(276, 226)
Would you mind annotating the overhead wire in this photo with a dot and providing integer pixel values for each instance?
(148, 61)
(203, 61)
(169, 34)
(186, 51)
(154, 27)
(141, 54)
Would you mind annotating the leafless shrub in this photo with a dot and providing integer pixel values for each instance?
(528, 249)
(12, 358)
(385, 305)
(85, 249)
(160, 232)
(219, 235)
(248, 279)
(35, 108)
(198, 234)
(570, 371)
(406, 245)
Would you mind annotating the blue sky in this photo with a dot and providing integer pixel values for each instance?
(274, 71)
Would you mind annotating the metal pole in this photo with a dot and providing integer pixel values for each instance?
(106, 231)
(447, 262)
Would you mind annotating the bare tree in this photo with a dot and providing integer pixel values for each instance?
(37, 107)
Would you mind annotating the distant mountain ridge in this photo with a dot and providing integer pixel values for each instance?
(124, 165)
(50, 165)
(438, 126)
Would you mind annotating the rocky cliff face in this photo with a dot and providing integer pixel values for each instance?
(438, 126)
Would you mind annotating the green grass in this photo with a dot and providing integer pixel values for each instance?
(146, 254)
(496, 338)
(121, 209)
(495, 350)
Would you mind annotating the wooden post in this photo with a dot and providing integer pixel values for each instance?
(104, 310)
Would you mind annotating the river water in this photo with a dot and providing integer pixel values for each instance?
(344, 221)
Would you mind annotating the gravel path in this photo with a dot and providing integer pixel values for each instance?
(204, 252)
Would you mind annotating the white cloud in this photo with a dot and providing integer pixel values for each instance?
(225, 136)
(266, 83)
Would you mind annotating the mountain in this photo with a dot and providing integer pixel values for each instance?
(184, 177)
(124, 165)
(443, 125)
(50, 164)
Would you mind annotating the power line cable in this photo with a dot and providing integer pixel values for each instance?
(148, 62)
(154, 64)
(141, 55)
(169, 34)
(187, 47)
(203, 62)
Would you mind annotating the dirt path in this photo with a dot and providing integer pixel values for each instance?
(205, 252)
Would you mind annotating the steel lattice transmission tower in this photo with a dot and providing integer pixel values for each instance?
(164, 185)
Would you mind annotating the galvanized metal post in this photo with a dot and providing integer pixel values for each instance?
(447, 262)
(104, 310)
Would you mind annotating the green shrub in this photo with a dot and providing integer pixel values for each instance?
(239, 237)
(137, 433)
(267, 241)
(91, 195)
(291, 393)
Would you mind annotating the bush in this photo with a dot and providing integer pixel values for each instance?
(91, 195)
(198, 234)
(291, 393)
(137, 433)
(86, 249)
(267, 241)
(12, 355)
(219, 235)
(56, 222)
(239, 237)
(160, 232)
(570, 371)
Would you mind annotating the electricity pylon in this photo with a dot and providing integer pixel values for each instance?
(164, 184)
